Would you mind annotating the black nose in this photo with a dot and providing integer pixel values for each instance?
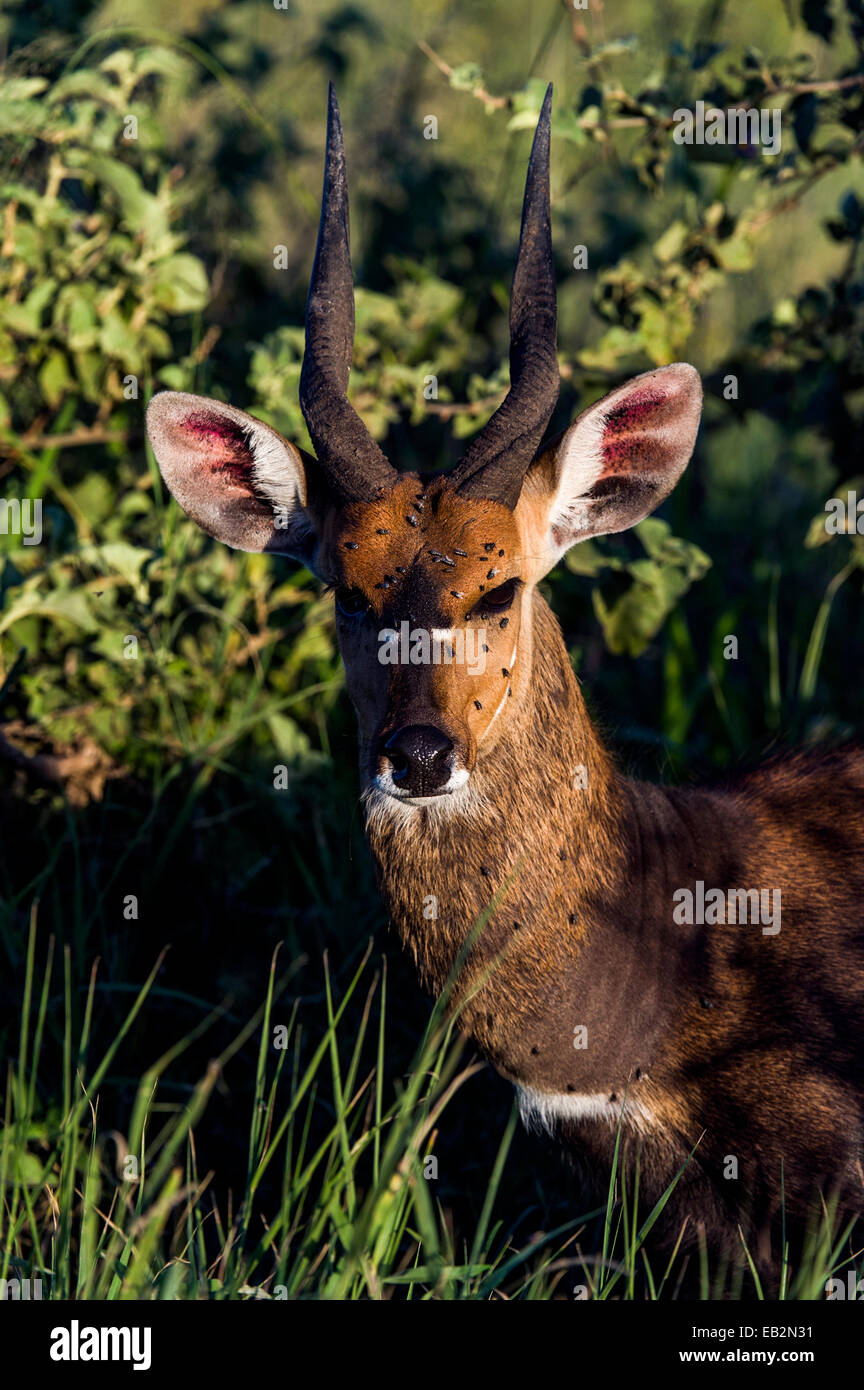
(419, 758)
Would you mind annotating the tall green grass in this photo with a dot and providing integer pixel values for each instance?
(352, 1213)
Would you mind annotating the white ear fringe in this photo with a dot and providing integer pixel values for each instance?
(273, 467)
(580, 465)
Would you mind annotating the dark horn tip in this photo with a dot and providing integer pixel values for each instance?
(334, 118)
(544, 120)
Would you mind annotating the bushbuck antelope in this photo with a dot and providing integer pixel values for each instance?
(593, 987)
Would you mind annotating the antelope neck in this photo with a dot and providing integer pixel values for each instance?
(555, 840)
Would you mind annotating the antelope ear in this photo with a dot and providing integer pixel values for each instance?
(240, 480)
(615, 463)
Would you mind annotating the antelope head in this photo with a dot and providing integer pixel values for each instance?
(433, 574)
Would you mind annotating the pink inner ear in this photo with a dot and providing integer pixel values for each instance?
(628, 426)
(224, 448)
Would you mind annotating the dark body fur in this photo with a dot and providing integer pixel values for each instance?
(722, 1038)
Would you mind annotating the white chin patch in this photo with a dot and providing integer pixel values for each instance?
(384, 804)
(545, 1108)
(384, 783)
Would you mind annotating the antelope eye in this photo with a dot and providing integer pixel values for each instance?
(498, 599)
(351, 603)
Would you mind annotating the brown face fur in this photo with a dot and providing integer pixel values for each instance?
(438, 561)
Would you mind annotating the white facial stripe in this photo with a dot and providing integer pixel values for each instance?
(511, 664)
(492, 720)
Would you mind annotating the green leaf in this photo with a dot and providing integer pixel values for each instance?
(659, 581)
(95, 496)
(587, 559)
(180, 285)
(523, 120)
(75, 317)
(615, 47)
(54, 377)
(606, 355)
(288, 738)
(86, 83)
(117, 339)
(669, 246)
(20, 88)
(91, 370)
(736, 253)
(466, 77)
(22, 1166)
(167, 62)
(119, 557)
(142, 211)
(21, 117)
(69, 606)
(26, 318)
(566, 125)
